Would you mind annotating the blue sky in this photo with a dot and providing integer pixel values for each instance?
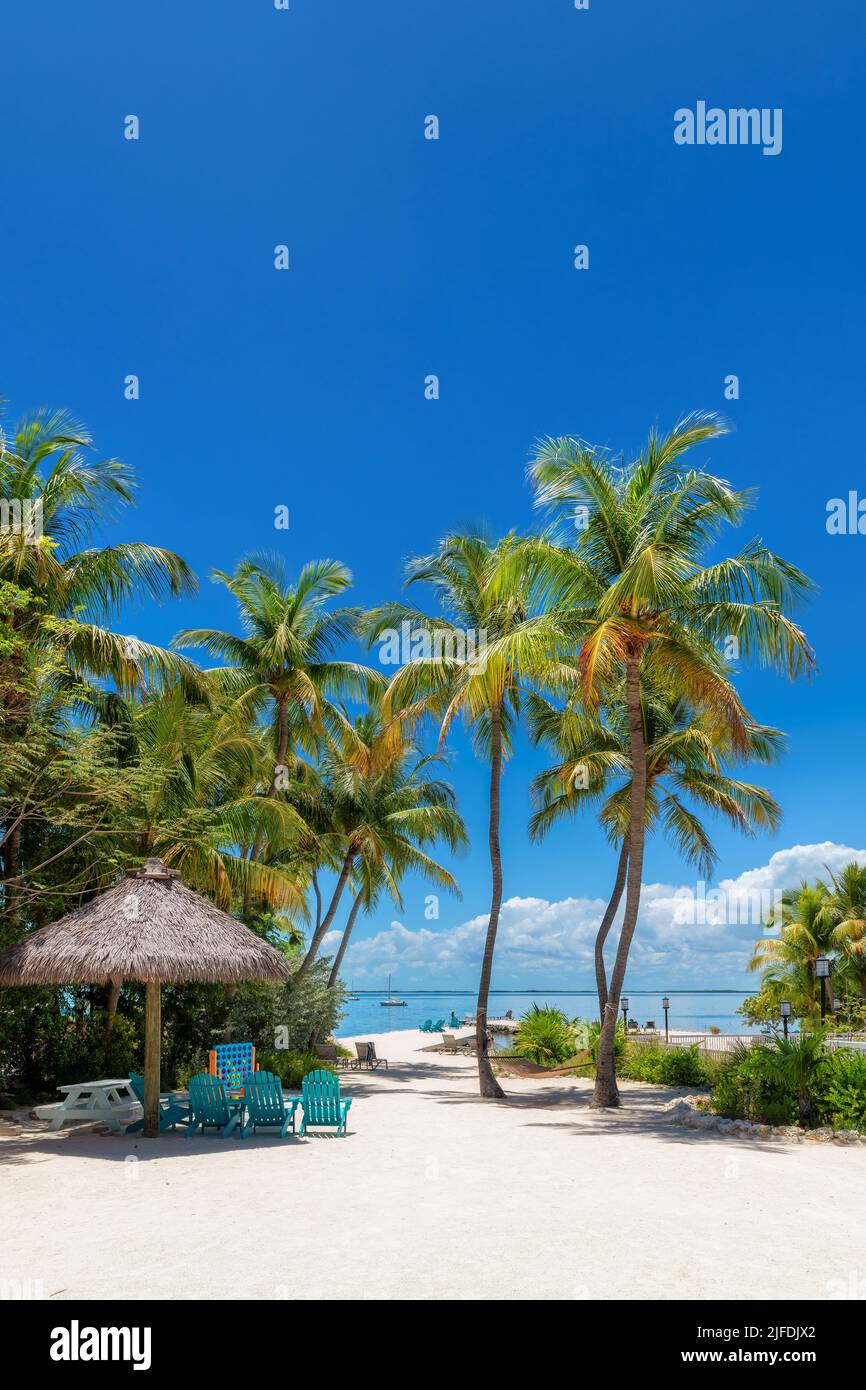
(452, 257)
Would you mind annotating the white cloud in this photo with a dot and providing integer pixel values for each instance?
(549, 944)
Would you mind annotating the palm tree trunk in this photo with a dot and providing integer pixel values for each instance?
(323, 927)
(347, 932)
(111, 1003)
(606, 924)
(488, 1085)
(282, 749)
(606, 1093)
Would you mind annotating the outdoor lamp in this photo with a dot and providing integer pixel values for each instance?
(785, 1011)
(666, 1003)
(624, 1003)
(822, 970)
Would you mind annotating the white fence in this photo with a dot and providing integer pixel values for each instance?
(726, 1042)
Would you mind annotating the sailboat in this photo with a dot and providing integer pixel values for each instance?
(391, 1002)
(351, 997)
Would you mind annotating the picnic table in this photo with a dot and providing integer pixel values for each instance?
(110, 1100)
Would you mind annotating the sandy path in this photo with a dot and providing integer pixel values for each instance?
(436, 1195)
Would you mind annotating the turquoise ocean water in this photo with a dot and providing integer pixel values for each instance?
(698, 1010)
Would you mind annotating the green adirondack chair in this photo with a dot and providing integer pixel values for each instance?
(323, 1106)
(172, 1112)
(210, 1107)
(266, 1105)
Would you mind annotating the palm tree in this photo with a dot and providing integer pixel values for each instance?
(845, 911)
(488, 644)
(47, 474)
(806, 932)
(797, 1062)
(46, 465)
(285, 660)
(685, 762)
(651, 609)
(380, 801)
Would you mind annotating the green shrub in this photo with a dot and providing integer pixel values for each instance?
(588, 1034)
(749, 1086)
(840, 1094)
(545, 1036)
(674, 1066)
(292, 1067)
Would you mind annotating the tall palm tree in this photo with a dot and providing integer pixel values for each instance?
(487, 646)
(58, 497)
(685, 763)
(386, 809)
(650, 607)
(47, 464)
(284, 663)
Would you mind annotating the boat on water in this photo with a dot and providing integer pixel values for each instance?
(391, 1002)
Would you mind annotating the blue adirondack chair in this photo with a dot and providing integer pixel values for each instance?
(172, 1111)
(438, 1026)
(266, 1105)
(323, 1106)
(426, 1026)
(210, 1107)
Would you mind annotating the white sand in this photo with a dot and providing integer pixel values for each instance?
(436, 1194)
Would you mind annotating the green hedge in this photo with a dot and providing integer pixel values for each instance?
(749, 1087)
(665, 1066)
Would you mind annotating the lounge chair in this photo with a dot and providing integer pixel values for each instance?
(172, 1112)
(266, 1105)
(210, 1107)
(323, 1105)
(327, 1052)
(367, 1056)
(452, 1044)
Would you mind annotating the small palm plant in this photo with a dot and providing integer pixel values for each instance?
(545, 1036)
(798, 1062)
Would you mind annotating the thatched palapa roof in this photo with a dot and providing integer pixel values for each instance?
(149, 926)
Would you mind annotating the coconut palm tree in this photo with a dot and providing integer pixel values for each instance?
(809, 927)
(379, 799)
(284, 663)
(46, 466)
(845, 911)
(685, 763)
(476, 661)
(650, 608)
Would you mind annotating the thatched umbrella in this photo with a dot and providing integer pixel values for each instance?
(148, 927)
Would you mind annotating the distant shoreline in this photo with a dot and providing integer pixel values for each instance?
(544, 989)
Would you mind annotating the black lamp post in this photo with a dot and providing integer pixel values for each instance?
(666, 1003)
(785, 1011)
(624, 1003)
(822, 970)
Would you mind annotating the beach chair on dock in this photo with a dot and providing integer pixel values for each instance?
(367, 1056)
(323, 1105)
(266, 1106)
(210, 1107)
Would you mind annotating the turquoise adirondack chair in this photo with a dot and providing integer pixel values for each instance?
(266, 1105)
(426, 1026)
(323, 1106)
(172, 1112)
(210, 1107)
(438, 1026)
